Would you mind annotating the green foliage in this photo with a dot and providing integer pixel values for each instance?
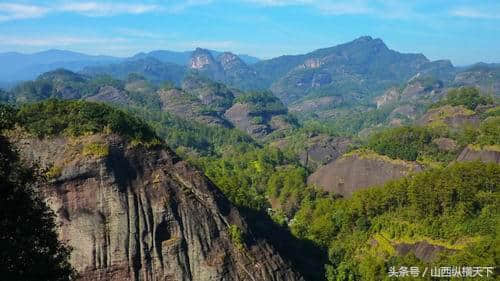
(249, 178)
(75, 118)
(456, 207)
(350, 121)
(29, 247)
(469, 97)
(257, 120)
(95, 149)
(7, 117)
(203, 139)
(489, 131)
(237, 237)
(407, 143)
(54, 172)
(62, 83)
(262, 103)
(152, 69)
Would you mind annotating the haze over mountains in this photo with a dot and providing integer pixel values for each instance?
(352, 73)
(29, 66)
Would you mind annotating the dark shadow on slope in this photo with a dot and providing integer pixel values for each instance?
(306, 257)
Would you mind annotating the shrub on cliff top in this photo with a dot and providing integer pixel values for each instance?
(76, 118)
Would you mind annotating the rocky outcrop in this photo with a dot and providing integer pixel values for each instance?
(237, 73)
(132, 213)
(452, 116)
(422, 250)
(112, 95)
(418, 90)
(446, 144)
(203, 62)
(240, 115)
(485, 154)
(231, 62)
(322, 150)
(359, 170)
(390, 96)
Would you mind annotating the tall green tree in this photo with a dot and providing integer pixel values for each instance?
(29, 247)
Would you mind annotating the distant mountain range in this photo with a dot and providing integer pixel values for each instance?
(19, 67)
(350, 73)
(353, 73)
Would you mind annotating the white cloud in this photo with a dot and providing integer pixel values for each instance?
(60, 41)
(281, 2)
(475, 13)
(181, 5)
(106, 8)
(13, 11)
(332, 7)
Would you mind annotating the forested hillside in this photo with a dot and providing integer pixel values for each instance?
(355, 194)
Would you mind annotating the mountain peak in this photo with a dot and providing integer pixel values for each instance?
(365, 38)
(201, 58)
(201, 50)
(229, 61)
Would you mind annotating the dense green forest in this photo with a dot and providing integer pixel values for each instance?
(454, 206)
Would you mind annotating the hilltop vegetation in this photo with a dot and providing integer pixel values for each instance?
(76, 118)
(469, 97)
(62, 83)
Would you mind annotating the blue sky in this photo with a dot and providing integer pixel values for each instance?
(464, 31)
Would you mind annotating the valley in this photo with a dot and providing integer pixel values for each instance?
(202, 165)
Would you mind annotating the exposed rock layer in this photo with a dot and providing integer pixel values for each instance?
(357, 171)
(484, 155)
(138, 214)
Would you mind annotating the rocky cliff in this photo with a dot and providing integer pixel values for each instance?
(484, 154)
(132, 213)
(358, 170)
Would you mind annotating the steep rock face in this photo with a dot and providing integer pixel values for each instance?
(203, 62)
(240, 115)
(422, 250)
(323, 150)
(486, 154)
(138, 214)
(359, 170)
